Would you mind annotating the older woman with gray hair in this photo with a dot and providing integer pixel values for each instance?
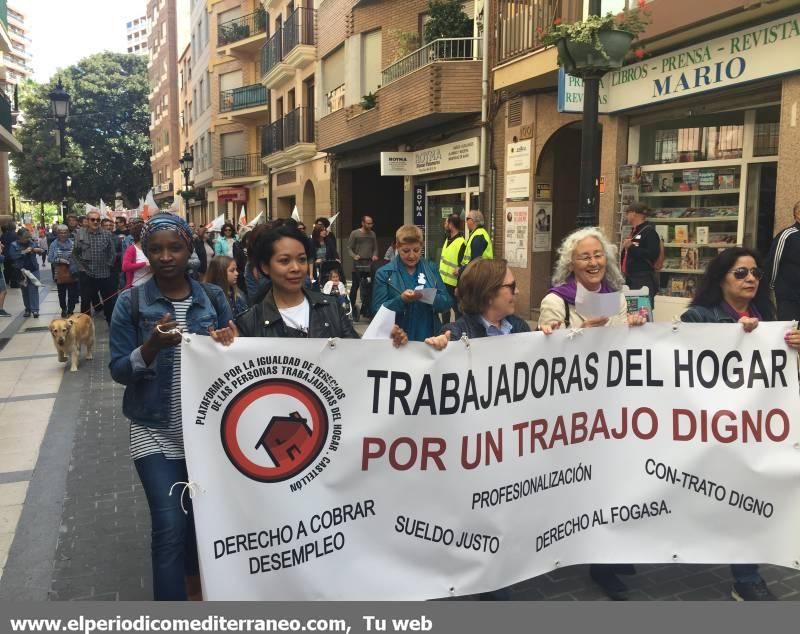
(65, 270)
(585, 257)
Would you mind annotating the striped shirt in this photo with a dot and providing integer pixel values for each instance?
(146, 441)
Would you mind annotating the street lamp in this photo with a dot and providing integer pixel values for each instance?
(59, 104)
(590, 140)
(186, 163)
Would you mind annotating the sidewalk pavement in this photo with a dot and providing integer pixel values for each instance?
(82, 532)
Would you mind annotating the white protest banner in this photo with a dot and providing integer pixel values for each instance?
(353, 470)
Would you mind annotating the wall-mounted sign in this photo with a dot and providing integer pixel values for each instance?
(237, 194)
(542, 226)
(441, 158)
(516, 234)
(543, 191)
(518, 186)
(397, 163)
(757, 52)
(518, 156)
(419, 205)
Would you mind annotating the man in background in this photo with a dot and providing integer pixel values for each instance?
(363, 248)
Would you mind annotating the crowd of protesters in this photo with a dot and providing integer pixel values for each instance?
(153, 280)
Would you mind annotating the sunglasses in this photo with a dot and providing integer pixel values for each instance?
(512, 286)
(742, 272)
(94, 219)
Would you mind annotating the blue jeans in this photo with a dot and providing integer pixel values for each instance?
(745, 573)
(30, 295)
(173, 547)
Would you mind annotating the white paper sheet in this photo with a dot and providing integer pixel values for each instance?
(381, 325)
(428, 294)
(590, 305)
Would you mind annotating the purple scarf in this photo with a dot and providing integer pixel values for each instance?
(568, 289)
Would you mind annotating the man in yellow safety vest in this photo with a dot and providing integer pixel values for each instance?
(479, 244)
(452, 254)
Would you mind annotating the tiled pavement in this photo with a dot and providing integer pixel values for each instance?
(83, 530)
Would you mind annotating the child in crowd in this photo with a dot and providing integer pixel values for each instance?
(335, 288)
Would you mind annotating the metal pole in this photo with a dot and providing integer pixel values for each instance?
(63, 151)
(590, 139)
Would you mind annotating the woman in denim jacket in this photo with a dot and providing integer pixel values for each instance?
(65, 270)
(145, 357)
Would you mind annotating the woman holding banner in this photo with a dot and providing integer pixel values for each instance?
(146, 332)
(288, 309)
(730, 291)
(586, 257)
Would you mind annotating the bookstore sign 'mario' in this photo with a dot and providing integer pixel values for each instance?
(758, 52)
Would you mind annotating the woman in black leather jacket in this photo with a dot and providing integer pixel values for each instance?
(289, 309)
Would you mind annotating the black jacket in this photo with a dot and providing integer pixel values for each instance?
(472, 326)
(641, 258)
(326, 319)
(200, 251)
(783, 264)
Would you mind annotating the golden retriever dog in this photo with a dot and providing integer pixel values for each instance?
(70, 334)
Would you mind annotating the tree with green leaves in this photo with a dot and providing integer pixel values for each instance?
(107, 133)
(447, 19)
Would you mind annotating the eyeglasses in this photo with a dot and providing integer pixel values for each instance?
(589, 258)
(94, 219)
(512, 286)
(741, 272)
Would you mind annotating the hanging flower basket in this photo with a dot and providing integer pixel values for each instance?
(607, 54)
(597, 44)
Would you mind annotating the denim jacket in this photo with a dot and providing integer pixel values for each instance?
(148, 388)
(22, 260)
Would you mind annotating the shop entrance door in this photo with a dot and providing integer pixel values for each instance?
(760, 206)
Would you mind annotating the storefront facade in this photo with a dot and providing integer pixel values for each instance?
(704, 134)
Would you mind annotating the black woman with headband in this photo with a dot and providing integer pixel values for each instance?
(146, 330)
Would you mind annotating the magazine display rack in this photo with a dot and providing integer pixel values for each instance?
(695, 210)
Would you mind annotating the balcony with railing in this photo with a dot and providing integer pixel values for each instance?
(441, 50)
(290, 49)
(291, 139)
(272, 138)
(243, 28)
(8, 111)
(242, 166)
(436, 83)
(247, 102)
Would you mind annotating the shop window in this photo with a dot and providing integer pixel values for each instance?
(767, 131)
(454, 182)
(711, 137)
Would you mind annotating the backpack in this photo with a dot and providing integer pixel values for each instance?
(137, 290)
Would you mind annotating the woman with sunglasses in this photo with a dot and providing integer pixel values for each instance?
(730, 291)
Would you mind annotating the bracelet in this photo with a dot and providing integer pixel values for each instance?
(171, 331)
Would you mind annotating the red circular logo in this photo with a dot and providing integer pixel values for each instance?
(274, 430)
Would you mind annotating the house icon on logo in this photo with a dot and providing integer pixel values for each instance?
(284, 438)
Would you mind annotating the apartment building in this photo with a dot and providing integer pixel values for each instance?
(167, 22)
(136, 36)
(17, 61)
(8, 143)
(299, 172)
(240, 108)
(703, 130)
(197, 111)
(399, 116)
